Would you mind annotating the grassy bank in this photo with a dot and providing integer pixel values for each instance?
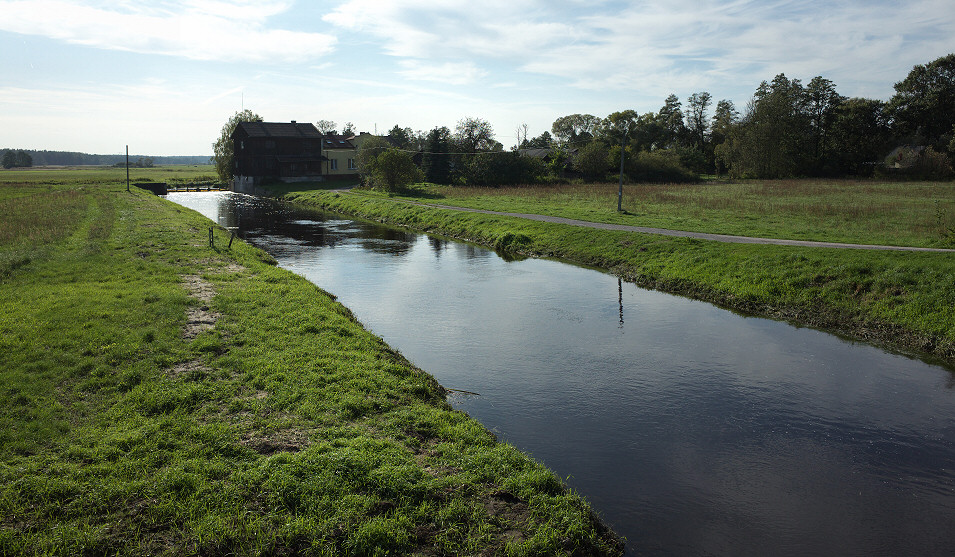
(163, 397)
(899, 300)
(867, 212)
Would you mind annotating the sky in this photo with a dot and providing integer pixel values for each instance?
(164, 76)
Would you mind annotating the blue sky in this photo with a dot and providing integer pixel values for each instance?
(163, 76)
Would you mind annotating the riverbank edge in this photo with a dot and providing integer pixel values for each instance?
(830, 298)
(207, 385)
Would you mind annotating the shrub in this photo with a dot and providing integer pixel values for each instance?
(503, 169)
(394, 170)
(918, 164)
(593, 161)
(933, 165)
(659, 166)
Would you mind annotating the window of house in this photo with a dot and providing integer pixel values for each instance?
(334, 164)
(351, 164)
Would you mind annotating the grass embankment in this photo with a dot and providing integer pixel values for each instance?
(867, 212)
(158, 396)
(900, 300)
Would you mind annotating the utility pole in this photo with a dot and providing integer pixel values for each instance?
(127, 169)
(623, 151)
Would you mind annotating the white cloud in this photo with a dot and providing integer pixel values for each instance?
(452, 73)
(425, 63)
(429, 29)
(657, 48)
(194, 29)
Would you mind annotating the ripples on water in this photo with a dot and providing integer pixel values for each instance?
(692, 430)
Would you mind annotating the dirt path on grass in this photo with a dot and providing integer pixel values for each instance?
(727, 238)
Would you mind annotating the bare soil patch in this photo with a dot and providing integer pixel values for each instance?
(199, 319)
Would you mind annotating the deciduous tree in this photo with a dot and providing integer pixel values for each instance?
(575, 129)
(521, 133)
(395, 170)
(402, 138)
(771, 140)
(696, 118)
(326, 126)
(822, 102)
(725, 119)
(473, 135)
(861, 135)
(671, 120)
(436, 160)
(593, 161)
(503, 168)
(617, 127)
(542, 141)
(923, 106)
(224, 155)
(367, 156)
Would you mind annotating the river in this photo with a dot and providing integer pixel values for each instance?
(691, 430)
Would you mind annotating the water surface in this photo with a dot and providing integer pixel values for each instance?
(692, 430)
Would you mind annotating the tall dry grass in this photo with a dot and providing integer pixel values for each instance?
(847, 210)
(40, 218)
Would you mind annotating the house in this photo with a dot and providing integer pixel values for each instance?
(284, 151)
(339, 153)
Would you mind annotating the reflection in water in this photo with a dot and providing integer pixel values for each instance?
(620, 299)
(692, 430)
(437, 245)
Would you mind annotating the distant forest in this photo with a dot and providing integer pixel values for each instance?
(70, 158)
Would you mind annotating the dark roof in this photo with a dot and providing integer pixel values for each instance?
(333, 141)
(278, 129)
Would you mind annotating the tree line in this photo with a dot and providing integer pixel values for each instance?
(787, 129)
(73, 158)
(16, 159)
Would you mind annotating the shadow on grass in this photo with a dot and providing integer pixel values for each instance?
(417, 192)
(280, 188)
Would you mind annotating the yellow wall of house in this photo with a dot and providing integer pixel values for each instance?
(342, 156)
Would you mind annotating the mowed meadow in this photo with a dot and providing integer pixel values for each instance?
(163, 396)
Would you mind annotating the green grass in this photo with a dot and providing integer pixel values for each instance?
(96, 175)
(896, 299)
(280, 427)
(868, 212)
